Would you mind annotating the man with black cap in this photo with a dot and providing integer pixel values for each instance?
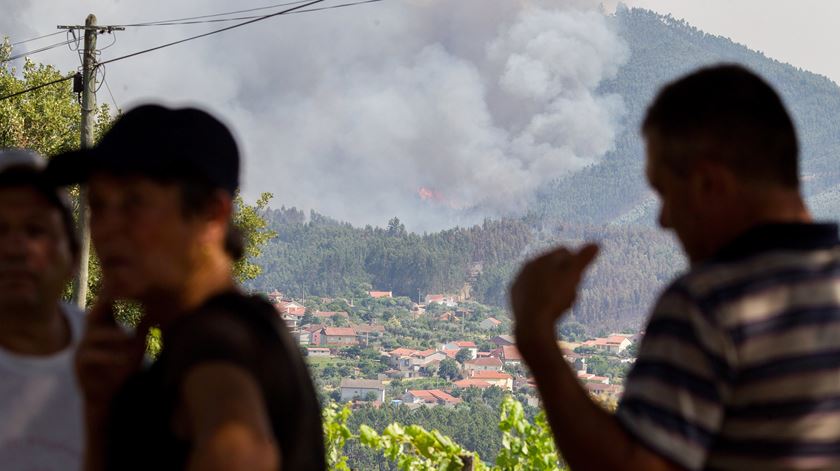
(40, 405)
(229, 390)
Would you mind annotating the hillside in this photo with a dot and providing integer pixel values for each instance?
(608, 202)
(662, 49)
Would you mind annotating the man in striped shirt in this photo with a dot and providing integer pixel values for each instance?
(740, 364)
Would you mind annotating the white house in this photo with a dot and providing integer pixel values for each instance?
(317, 352)
(290, 319)
(445, 299)
(362, 389)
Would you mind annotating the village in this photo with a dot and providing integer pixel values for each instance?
(368, 362)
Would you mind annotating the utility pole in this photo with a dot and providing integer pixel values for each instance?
(80, 282)
(88, 110)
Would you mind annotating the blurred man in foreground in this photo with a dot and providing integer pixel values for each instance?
(740, 361)
(40, 405)
(229, 390)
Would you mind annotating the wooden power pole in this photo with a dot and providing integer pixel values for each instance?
(91, 30)
(80, 284)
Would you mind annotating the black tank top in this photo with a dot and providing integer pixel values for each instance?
(231, 327)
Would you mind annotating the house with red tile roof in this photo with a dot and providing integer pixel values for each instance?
(460, 344)
(472, 383)
(290, 307)
(429, 397)
(496, 378)
(502, 340)
(591, 378)
(338, 336)
(613, 344)
(451, 353)
(447, 316)
(367, 332)
(402, 351)
(483, 364)
(380, 294)
(509, 355)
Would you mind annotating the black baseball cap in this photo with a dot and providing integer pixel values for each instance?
(158, 142)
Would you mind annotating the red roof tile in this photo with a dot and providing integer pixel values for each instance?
(339, 331)
(469, 382)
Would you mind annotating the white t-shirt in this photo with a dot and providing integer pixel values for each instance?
(41, 426)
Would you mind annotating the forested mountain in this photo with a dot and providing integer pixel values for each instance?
(608, 202)
(324, 257)
(663, 49)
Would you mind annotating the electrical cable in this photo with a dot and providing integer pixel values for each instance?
(289, 10)
(238, 18)
(36, 51)
(36, 87)
(153, 23)
(35, 39)
(108, 87)
(297, 9)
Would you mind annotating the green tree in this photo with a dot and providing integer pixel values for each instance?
(46, 120)
(448, 369)
(255, 231)
(463, 355)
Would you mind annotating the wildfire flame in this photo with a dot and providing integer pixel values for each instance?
(437, 198)
(427, 194)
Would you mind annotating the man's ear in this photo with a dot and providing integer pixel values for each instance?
(217, 214)
(221, 208)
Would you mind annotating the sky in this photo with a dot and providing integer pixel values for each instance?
(421, 109)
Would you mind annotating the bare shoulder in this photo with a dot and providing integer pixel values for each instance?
(227, 419)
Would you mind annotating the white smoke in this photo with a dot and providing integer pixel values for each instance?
(434, 111)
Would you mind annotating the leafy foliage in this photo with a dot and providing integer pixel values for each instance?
(525, 445)
(248, 219)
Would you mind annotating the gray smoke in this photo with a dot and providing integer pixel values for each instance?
(435, 111)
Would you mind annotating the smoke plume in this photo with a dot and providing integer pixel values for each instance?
(435, 111)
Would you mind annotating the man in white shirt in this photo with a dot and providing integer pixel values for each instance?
(40, 407)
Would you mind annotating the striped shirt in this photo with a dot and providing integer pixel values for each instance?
(740, 364)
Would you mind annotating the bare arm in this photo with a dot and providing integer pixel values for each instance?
(227, 420)
(586, 435)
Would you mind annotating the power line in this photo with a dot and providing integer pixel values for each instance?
(238, 18)
(341, 5)
(211, 32)
(108, 87)
(296, 9)
(35, 39)
(36, 87)
(154, 23)
(29, 53)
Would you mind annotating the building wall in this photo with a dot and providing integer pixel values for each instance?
(338, 340)
(348, 394)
